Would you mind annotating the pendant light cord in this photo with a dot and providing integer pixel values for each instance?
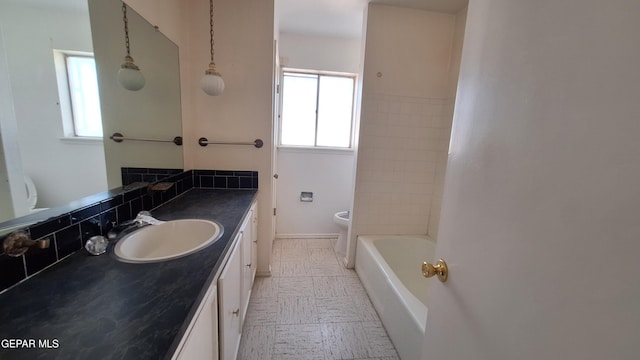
(212, 82)
(211, 26)
(126, 27)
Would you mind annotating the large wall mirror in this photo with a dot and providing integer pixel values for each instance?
(37, 143)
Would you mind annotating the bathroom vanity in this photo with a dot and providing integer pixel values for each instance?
(186, 308)
(216, 328)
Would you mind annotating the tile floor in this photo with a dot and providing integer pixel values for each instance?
(311, 308)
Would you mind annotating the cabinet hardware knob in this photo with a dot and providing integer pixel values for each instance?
(249, 265)
(237, 312)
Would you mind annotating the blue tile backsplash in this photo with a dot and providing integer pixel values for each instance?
(69, 232)
(224, 179)
(131, 175)
(13, 270)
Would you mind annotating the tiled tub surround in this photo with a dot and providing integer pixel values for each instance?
(100, 308)
(401, 140)
(95, 215)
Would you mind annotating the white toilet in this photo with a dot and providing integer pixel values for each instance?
(32, 195)
(342, 218)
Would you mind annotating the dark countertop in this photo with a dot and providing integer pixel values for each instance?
(99, 308)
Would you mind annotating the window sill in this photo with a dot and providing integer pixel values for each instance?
(316, 150)
(82, 140)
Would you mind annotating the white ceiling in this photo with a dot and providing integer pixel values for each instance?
(343, 18)
(339, 18)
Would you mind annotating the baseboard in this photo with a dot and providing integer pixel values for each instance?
(306, 236)
(263, 273)
(345, 262)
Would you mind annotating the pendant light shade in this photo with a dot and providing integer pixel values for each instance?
(212, 82)
(129, 75)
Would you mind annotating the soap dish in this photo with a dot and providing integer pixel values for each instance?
(161, 186)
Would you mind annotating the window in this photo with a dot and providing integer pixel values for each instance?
(317, 109)
(79, 97)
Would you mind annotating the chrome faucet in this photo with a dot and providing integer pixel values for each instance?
(18, 242)
(143, 218)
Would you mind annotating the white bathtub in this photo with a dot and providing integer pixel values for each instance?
(390, 270)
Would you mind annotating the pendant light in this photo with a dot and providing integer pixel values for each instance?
(129, 75)
(212, 82)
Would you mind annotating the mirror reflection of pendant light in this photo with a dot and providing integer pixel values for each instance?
(212, 82)
(129, 75)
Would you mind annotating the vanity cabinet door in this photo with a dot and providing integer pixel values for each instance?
(229, 292)
(247, 267)
(254, 241)
(249, 257)
(201, 342)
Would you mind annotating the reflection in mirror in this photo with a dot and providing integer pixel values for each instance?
(36, 139)
(62, 167)
(152, 112)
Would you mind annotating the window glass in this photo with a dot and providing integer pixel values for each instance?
(299, 96)
(335, 107)
(317, 110)
(85, 99)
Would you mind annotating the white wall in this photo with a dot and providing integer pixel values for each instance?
(6, 202)
(12, 196)
(167, 16)
(543, 186)
(62, 171)
(328, 174)
(443, 148)
(411, 49)
(405, 111)
(305, 51)
(244, 56)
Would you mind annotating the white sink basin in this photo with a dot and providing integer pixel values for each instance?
(166, 241)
